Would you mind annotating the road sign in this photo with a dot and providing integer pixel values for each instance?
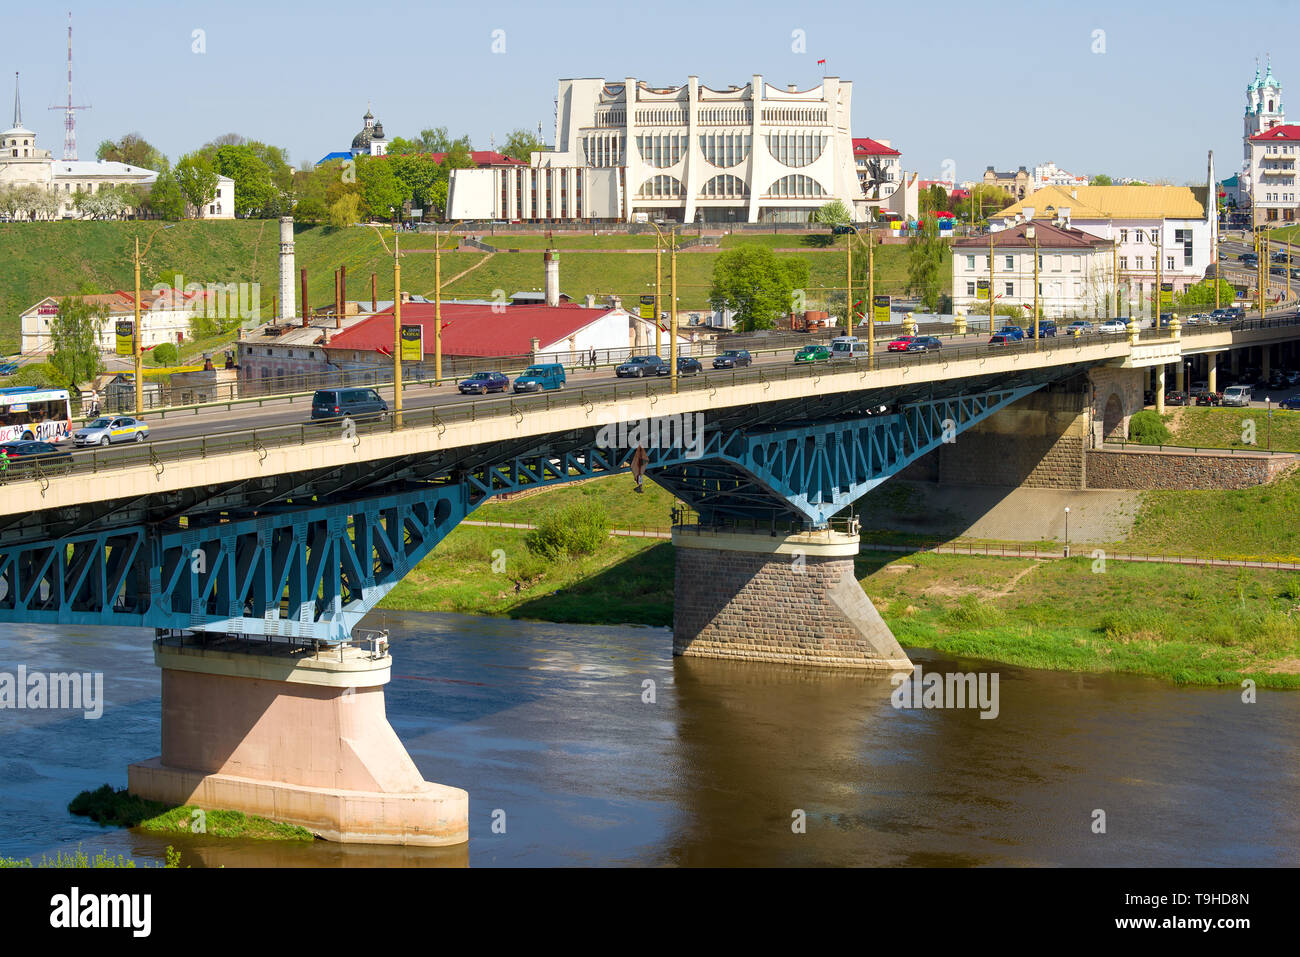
(125, 341)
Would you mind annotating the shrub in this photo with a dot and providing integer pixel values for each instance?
(1147, 428)
(575, 529)
(164, 355)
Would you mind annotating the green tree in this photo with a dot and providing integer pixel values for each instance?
(197, 179)
(1202, 294)
(345, 211)
(165, 199)
(521, 145)
(381, 189)
(1101, 179)
(134, 150)
(986, 201)
(74, 335)
(255, 194)
(925, 259)
(755, 285)
(834, 213)
(933, 199)
(165, 354)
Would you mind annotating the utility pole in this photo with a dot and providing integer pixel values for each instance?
(849, 287)
(991, 297)
(672, 326)
(397, 334)
(659, 292)
(871, 298)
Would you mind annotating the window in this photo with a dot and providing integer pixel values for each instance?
(1169, 262)
(796, 149)
(1074, 263)
(725, 149)
(1138, 260)
(970, 288)
(662, 150)
(1123, 262)
(970, 263)
(1056, 264)
(1011, 264)
(1123, 235)
(1139, 236)
(725, 185)
(795, 185)
(1011, 289)
(662, 185)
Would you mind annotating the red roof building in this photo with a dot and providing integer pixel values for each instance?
(1274, 188)
(865, 146)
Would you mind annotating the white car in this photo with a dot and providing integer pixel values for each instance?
(1113, 325)
(107, 430)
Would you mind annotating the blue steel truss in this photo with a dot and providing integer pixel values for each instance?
(311, 571)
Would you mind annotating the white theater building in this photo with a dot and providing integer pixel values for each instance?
(629, 151)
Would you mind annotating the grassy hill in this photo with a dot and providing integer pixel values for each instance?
(41, 259)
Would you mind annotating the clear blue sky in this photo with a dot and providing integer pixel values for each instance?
(1008, 84)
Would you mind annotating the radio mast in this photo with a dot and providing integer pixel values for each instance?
(70, 111)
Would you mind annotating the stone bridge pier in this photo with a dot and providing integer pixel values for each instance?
(793, 599)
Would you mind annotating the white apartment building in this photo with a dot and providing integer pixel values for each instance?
(626, 151)
(1075, 274)
(162, 319)
(1161, 233)
(1049, 174)
(1272, 172)
(222, 203)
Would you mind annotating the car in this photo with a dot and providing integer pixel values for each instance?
(638, 366)
(1291, 403)
(1292, 376)
(482, 383)
(1281, 257)
(813, 354)
(1221, 315)
(1197, 318)
(849, 347)
(34, 456)
(107, 430)
(1165, 319)
(998, 339)
(1078, 328)
(1250, 258)
(1201, 395)
(731, 359)
(1113, 325)
(923, 344)
(1236, 395)
(1149, 397)
(544, 376)
(900, 344)
(1046, 329)
(336, 403)
(685, 364)
(1237, 312)
(1012, 332)
(1177, 398)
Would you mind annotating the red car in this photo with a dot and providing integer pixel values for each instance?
(900, 344)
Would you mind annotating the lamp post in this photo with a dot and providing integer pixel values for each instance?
(1067, 532)
(397, 322)
(136, 343)
(1032, 233)
(871, 290)
(437, 302)
(659, 282)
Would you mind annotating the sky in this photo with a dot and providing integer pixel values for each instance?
(1126, 89)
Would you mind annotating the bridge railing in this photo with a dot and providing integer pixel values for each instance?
(159, 452)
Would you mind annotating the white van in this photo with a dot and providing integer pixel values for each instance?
(848, 347)
(1237, 395)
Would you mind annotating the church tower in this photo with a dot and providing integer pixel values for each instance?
(1264, 111)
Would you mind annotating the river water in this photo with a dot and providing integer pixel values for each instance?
(547, 728)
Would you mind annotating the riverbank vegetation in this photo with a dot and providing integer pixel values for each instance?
(80, 859)
(112, 808)
(1188, 624)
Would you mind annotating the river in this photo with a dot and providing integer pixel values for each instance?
(547, 728)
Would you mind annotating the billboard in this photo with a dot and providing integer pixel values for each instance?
(880, 308)
(125, 340)
(647, 307)
(1166, 294)
(981, 288)
(412, 342)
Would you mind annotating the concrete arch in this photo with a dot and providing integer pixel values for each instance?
(1112, 418)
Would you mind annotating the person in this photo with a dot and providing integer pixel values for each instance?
(593, 357)
(639, 460)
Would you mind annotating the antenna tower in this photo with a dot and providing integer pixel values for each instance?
(70, 111)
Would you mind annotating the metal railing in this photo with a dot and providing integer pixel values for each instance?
(158, 453)
(1147, 446)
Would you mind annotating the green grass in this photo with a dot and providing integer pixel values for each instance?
(80, 860)
(563, 241)
(627, 509)
(120, 809)
(1220, 428)
(1256, 522)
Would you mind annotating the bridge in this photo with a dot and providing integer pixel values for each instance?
(255, 554)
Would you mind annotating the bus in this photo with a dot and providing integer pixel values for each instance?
(28, 413)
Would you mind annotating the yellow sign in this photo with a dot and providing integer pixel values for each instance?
(1166, 294)
(981, 289)
(412, 343)
(648, 307)
(880, 308)
(125, 341)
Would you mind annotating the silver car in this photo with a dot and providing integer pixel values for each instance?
(1237, 395)
(108, 430)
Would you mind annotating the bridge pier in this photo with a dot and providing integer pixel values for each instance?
(791, 599)
(296, 736)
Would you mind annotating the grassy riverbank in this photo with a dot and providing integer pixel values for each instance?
(1182, 623)
(120, 809)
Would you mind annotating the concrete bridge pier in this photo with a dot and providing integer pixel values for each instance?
(296, 736)
(791, 599)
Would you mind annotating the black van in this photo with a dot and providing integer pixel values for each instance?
(336, 403)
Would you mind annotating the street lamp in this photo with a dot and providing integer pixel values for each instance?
(871, 290)
(397, 324)
(437, 301)
(672, 321)
(1067, 532)
(135, 330)
(1032, 233)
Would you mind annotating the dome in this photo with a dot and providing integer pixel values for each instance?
(361, 140)
(378, 132)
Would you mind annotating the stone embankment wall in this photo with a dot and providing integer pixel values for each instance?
(1175, 470)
